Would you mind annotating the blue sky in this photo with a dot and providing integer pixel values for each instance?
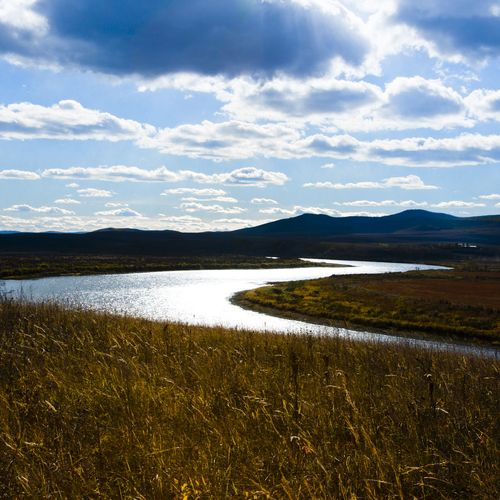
(219, 114)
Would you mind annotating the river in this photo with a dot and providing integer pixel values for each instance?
(203, 297)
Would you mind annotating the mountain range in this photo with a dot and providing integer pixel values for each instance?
(307, 234)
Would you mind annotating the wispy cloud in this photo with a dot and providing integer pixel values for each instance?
(216, 199)
(200, 207)
(67, 201)
(298, 209)
(194, 191)
(493, 196)
(458, 204)
(23, 175)
(39, 210)
(94, 193)
(385, 203)
(66, 120)
(118, 204)
(119, 212)
(245, 176)
(263, 201)
(409, 182)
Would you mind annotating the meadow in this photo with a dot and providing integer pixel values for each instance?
(96, 405)
(461, 303)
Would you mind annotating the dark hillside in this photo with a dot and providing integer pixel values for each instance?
(409, 234)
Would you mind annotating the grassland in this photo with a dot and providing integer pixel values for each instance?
(24, 266)
(463, 303)
(94, 405)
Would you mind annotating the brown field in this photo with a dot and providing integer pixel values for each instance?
(462, 304)
(467, 288)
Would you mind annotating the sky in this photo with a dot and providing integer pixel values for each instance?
(200, 115)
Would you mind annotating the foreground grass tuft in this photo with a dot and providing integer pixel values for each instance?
(98, 405)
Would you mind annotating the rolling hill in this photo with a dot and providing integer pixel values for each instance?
(307, 234)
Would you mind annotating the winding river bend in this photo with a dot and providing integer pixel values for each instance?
(203, 297)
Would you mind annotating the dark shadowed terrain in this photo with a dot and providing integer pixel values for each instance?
(414, 235)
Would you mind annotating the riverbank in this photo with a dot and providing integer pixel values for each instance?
(100, 405)
(461, 304)
(24, 266)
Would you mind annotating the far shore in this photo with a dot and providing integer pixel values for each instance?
(25, 267)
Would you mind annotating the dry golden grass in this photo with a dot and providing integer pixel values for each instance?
(94, 405)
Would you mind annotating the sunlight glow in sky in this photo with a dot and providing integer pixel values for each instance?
(200, 115)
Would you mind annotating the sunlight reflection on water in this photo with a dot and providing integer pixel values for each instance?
(203, 297)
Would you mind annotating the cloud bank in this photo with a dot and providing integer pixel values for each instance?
(460, 28)
(207, 37)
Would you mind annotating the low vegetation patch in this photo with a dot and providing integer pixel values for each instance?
(99, 405)
(464, 303)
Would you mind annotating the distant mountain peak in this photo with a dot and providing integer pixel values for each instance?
(321, 225)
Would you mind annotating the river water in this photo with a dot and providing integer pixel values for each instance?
(203, 297)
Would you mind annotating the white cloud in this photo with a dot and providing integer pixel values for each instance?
(298, 209)
(386, 203)
(19, 14)
(114, 173)
(94, 193)
(312, 100)
(484, 104)
(238, 140)
(235, 223)
(299, 37)
(19, 175)
(120, 212)
(217, 199)
(458, 204)
(68, 223)
(112, 204)
(226, 140)
(416, 102)
(438, 105)
(185, 223)
(333, 104)
(72, 185)
(490, 197)
(277, 211)
(317, 210)
(66, 201)
(328, 165)
(66, 120)
(263, 201)
(461, 150)
(409, 182)
(245, 176)
(194, 191)
(251, 177)
(200, 207)
(39, 210)
(457, 30)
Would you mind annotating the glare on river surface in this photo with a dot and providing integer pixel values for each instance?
(203, 297)
(196, 297)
